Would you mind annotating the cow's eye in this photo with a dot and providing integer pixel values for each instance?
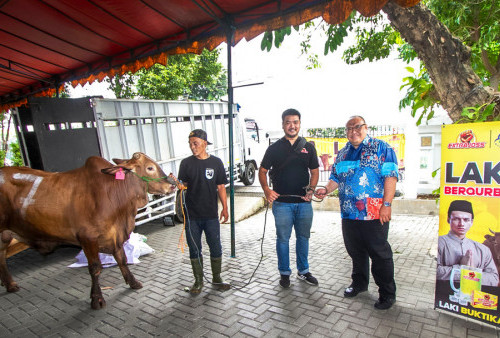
(150, 168)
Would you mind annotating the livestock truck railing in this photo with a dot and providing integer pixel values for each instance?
(160, 129)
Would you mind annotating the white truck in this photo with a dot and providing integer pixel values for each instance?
(59, 134)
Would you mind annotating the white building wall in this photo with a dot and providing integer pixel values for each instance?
(429, 158)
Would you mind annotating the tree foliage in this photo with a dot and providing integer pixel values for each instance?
(419, 94)
(123, 85)
(474, 22)
(339, 132)
(327, 132)
(7, 147)
(186, 76)
(5, 122)
(477, 24)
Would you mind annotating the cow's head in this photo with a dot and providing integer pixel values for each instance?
(144, 168)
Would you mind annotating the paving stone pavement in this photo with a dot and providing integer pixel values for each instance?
(54, 300)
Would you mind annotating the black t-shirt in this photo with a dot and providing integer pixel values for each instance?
(294, 175)
(202, 178)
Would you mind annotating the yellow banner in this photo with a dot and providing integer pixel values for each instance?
(470, 170)
(468, 258)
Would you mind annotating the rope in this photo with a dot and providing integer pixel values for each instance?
(307, 188)
(170, 178)
(186, 216)
(149, 179)
(182, 241)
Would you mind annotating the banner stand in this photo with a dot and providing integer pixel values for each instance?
(468, 257)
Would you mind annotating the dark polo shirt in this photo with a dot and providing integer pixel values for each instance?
(294, 176)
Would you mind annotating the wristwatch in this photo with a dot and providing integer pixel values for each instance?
(387, 204)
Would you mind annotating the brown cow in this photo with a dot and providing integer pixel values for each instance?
(89, 206)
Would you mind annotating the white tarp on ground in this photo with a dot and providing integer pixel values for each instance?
(134, 248)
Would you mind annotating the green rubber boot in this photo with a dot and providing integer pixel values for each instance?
(197, 265)
(217, 281)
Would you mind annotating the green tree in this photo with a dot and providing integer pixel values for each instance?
(458, 43)
(5, 122)
(6, 147)
(17, 160)
(123, 86)
(186, 76)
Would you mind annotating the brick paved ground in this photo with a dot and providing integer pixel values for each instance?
(54, 300)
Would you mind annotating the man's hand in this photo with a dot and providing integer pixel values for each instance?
(271, 195)
(467, 258)
(389, 191)
(320, 193)
(385, 214)
(309, 195)
(224, 216)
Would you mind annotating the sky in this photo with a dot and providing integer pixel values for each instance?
(326, 97)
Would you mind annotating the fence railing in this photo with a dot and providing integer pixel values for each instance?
(339, 132)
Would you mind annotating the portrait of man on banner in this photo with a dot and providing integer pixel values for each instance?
(456, 250)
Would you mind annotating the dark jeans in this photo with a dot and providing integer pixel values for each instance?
(194, 229)
(368, 239)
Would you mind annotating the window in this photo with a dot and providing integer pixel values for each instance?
(426, 141)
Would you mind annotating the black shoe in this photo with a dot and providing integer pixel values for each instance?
(384, 303)
(352, 291)
(308, 278)
(285, 281)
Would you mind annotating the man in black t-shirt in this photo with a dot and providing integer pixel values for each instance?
(205, 179)
(294, 175)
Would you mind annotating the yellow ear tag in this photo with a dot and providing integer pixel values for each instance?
(120, 175)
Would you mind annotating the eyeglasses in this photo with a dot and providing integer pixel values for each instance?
(356, 128)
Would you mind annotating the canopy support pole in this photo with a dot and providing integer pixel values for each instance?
(229, 38)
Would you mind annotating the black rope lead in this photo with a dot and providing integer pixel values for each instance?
(261, 239)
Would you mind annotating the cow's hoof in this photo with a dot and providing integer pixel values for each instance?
(135, 285)
(12, 287)
(98, 303)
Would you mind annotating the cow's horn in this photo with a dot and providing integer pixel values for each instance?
(492, 231)
(137, 155)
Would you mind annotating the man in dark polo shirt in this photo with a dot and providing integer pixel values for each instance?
(294, 174)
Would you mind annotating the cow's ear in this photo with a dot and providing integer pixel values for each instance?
(113, 170)
(118, 160)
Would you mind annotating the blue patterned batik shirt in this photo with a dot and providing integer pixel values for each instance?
(360, 174)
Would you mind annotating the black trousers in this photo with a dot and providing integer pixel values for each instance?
(368, 239)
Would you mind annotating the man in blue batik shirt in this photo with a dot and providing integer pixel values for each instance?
(365, 172)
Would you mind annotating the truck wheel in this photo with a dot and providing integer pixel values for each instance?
(249, 176)
(179, 217)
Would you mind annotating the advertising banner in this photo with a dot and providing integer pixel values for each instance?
(468, 258)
